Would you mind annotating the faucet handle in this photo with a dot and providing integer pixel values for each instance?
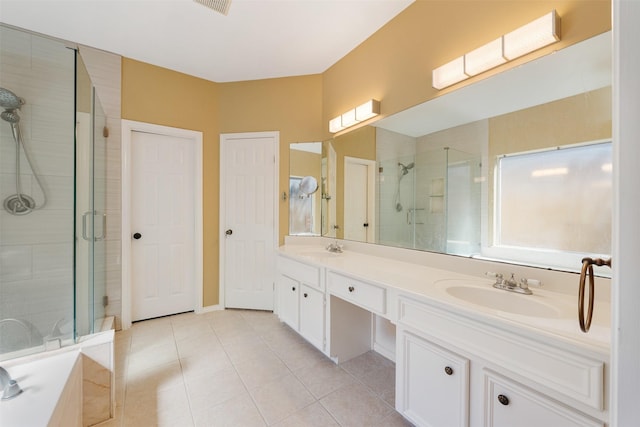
(498, 276)
(530, 282)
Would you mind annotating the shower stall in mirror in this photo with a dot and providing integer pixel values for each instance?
(428, 198)
(51, 284)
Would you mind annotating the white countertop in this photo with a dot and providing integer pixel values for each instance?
(429, 284)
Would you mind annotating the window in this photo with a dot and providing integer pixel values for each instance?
(300, 209)
(554, 203)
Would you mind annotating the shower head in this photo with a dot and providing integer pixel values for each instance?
(404, 169)
(10, 116)
(10, 100)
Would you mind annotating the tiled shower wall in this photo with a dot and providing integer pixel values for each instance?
(36, 250)
(393, 227)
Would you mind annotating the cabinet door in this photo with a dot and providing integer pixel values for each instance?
(433, 384)
(510, 404)
(312, 314)
(288, 290)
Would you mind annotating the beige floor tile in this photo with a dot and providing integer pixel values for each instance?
(261, 369)
(185, 330)
(243, 368)
(323, 378)
(278, 399)
(210, 390)
(157, 407)
(281, 337)
(196, 345)
(156, 355)
(313, 415)
(299, 355)
(236, 412)
(380, 381)
(366, 363)
(354, 405)
(393, 420)
(156, 378)
(205, 363)
(245, 347)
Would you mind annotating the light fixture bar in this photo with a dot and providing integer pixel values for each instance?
(450, 73)
(368, 110)
(526, 39)
(533, 36)
(363, 112)
(484, 58)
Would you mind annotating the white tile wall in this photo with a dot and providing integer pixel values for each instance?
(36, 250)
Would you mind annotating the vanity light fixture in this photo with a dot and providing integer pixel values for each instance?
(528, 38)
(363, 112)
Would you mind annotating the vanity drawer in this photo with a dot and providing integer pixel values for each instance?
(300, 271)
(366, 295)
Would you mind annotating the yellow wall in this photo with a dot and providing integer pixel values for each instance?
(394, 65)
(290, 105)
(156, 95)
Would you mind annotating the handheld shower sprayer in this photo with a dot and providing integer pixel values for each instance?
(18, 203)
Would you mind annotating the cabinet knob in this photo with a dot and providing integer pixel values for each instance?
(351, 289)
(448, 370)
(503, 399)
(293, 288)
(305, 294)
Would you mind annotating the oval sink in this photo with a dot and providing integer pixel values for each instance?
(511, 302)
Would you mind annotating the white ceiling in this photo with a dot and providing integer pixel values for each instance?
(258, 38)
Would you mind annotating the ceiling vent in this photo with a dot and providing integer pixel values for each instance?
(220, 6)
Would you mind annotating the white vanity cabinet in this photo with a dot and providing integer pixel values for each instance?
(301, 299)
(435, 389)
(488, 367)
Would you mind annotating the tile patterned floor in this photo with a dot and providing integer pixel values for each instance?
(243, 368)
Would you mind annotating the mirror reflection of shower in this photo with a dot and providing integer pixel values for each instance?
(18, 203)
(402, 171)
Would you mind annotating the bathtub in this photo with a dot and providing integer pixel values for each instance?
(61, 385)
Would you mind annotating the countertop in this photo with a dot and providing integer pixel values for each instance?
(429, 284)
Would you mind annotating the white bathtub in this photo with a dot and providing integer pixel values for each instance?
(60, 384)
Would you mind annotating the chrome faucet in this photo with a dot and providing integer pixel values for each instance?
(10, 387)
(513, 285)
(335, 247)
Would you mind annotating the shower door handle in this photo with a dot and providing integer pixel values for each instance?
(84, 225)
(104, 227)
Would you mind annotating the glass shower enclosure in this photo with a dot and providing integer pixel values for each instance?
(52, 190)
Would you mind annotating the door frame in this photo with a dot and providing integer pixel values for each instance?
(128, 128)
(371, 193)
(225, 138)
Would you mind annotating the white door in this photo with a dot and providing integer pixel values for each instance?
(248, 219)
(359, 199)
(162, 225)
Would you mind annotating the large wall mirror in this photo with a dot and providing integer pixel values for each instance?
(516, 167)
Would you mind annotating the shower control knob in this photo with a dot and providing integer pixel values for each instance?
(137, 236)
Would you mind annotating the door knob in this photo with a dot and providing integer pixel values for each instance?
(229, 232)
(137, 236)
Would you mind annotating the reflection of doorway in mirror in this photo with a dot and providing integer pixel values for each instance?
(359, 199)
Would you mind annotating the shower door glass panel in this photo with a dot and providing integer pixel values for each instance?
(98, 302)
(90, 183)
(36, 247)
